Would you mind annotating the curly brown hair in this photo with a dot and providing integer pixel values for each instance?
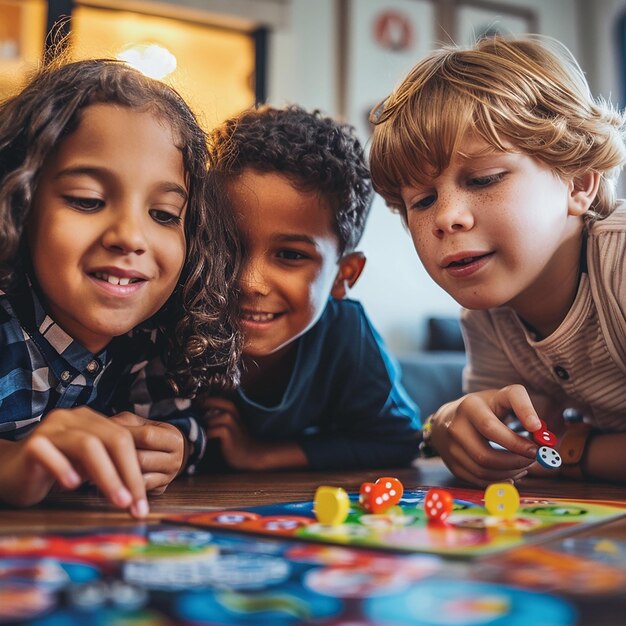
(317, 153)
(199, 319)
(528, 91)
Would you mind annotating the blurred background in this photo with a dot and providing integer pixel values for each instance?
(340, 56)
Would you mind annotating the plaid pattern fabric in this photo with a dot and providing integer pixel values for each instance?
(43, 368)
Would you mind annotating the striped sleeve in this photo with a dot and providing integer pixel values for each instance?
(606, 259)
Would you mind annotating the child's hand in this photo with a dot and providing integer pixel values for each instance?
(221, 419)
(462, 430)
(239, 449)
(161, 449)
(69, 447)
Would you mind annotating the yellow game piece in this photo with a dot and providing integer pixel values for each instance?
(331, 505)
(502, 500)
(605, 545)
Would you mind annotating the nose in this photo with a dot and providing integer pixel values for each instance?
(126, 230)
(454, 213)
(254, 282)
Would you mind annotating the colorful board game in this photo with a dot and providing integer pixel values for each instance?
(165, 575)
(470, 530)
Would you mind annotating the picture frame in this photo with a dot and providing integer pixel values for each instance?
(474, 19)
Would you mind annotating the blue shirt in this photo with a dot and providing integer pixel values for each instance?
(344, 404)
(42, 368)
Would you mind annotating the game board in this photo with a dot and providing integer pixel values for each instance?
(159, 575)
(469, 531)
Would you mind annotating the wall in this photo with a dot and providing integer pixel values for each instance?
(599, 40)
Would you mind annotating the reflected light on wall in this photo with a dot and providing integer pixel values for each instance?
(150, 59)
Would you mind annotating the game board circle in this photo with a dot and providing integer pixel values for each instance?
(441, 602)
(24, 601)
(286, 605)
(223, 518)
(180, 537)
(279, 524)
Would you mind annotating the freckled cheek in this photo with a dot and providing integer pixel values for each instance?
(420, 238)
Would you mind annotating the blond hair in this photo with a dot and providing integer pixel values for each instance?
(529, 93)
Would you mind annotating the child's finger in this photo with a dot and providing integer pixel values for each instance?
(219, 432)
(484, 479)
(503, 436)
(158, 461)
(218, 403)
(156, 482)
(222, 420)
(124, 455)
(515, 398)
(486, 462)
(91, 453)
(466, 469)
(127, 418)
(159, 436)
(44, 452)
(481, 426)
(107, 451)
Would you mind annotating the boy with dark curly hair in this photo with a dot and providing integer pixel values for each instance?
(318, 388)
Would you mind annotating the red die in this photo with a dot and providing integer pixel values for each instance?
(379, 496)
(543, 436)
(438, 504)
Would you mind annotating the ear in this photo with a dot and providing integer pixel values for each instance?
(582, 192)
(350, 268)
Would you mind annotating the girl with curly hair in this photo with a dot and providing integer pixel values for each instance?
(116, 261)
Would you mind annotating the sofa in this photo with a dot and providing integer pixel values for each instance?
(433, 375)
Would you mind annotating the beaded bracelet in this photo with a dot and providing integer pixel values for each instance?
(426, 448)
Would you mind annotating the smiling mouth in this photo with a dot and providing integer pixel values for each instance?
(115, 280)
(468, 260)
(249, 316)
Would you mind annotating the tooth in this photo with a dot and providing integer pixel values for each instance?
(113, 280)
(124, 281)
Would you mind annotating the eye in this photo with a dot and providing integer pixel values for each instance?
(485, 181)
(291, 255)
(423, 203)
(165, 217)
(84, 204)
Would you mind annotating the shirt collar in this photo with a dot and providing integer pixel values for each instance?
(40, 323)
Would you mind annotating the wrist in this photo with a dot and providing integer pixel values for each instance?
(426, 448)
(186, 454)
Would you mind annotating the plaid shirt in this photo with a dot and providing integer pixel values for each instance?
(43, 368)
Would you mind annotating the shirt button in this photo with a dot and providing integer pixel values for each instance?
(561, 372)
(93, 367)
(65, 376)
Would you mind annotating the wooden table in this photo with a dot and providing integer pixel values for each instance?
(86, 508)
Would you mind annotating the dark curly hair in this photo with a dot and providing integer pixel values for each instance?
(315, 152)
(199, 319)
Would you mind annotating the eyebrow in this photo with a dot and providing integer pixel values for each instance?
(296, 238)
(102, 173)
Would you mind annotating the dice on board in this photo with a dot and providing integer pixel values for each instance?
(543, 436)
(502, 500)
(331, 505)
(548, 457)
(379, 496)
(438, 504)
